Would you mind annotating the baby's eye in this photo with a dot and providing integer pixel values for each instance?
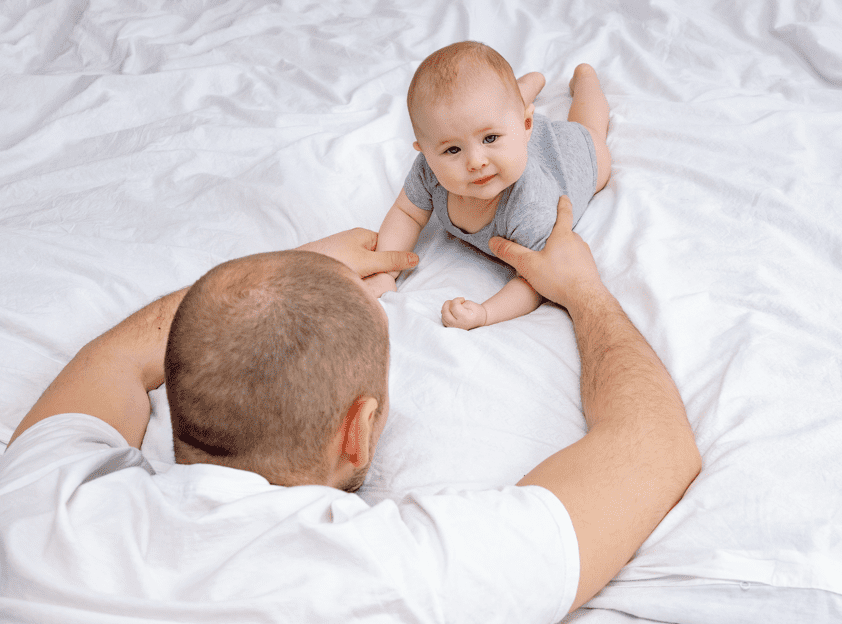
(490, 138)
(452, 150)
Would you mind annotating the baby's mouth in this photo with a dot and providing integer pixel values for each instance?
(484, 180)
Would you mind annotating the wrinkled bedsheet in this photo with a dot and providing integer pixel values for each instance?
(143, 143)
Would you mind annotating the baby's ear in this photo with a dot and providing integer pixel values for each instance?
(416, 146)
(528, 113)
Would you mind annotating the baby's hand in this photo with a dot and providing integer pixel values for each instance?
(463, 314)
(380, 283)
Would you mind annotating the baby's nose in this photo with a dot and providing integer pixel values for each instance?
(477, 160)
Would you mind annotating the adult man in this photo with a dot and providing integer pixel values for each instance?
(89, 533)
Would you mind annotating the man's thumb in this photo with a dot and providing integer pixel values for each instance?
(396, 260)
(506, 250)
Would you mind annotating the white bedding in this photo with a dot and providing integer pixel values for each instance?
(141, 146)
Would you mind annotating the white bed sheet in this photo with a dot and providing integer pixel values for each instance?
(141, 146)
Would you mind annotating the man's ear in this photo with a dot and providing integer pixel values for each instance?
(416, 146)
(357, 430)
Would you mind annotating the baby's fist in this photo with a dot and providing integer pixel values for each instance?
(463, 314)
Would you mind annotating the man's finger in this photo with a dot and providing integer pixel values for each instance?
(564, 218)
(506, 250)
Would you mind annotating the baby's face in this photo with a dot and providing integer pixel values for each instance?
(475, 142)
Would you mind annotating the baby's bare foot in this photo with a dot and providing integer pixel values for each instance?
(582, 72)
(530, 86)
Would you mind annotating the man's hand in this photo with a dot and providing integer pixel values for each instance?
(564, 270)
(356, 248)
(463, 314)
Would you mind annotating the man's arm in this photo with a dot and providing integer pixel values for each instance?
(111, 376)
(639, 455)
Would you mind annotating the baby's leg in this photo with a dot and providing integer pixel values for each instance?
(590, 108)
(530, 86)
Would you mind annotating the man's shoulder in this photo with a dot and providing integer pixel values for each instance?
(61, 435)
(90, 445)
(529, 529)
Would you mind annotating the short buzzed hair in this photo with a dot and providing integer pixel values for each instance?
(440, 73)
(265, 356)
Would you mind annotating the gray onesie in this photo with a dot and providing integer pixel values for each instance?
(562, 161)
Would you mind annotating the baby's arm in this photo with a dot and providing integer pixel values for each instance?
(515, 299)
(399, 232)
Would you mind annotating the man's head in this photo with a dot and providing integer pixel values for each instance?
(469, 119)
(278, 364)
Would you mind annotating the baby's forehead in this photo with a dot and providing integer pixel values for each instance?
(470, 77)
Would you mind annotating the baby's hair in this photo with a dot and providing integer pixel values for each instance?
(440, 73)
(264, 358)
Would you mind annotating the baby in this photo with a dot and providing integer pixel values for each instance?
(490, 167)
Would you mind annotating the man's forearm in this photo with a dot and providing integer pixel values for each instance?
(621, 376)
(639, 455)
(629, 397)
(145, 334)
(110, 376)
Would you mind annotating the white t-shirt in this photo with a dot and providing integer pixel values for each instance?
(90, 533)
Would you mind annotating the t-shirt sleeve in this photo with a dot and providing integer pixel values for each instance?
(501, 555)
(420, 183)
(58, 441)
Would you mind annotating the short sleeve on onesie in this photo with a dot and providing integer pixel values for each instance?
(422, 187)
(562, 161)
